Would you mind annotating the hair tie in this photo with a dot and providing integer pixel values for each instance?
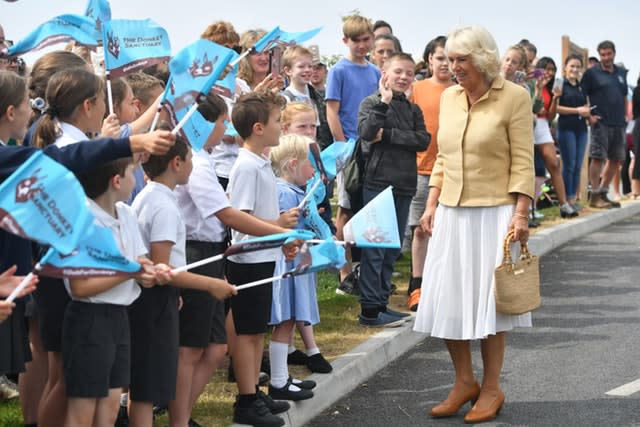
(37, 104)
(50, 111)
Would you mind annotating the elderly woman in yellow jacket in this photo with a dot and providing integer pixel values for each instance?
(480, 188)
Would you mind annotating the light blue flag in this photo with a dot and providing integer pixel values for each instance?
(316, 161)
(43, 201)
(96, 255)
(99, 10)
(319, 190)
(131, 45)
(227, 86)
(335, 157)
(375, 225)
(277, 37)
(194, 70)
(196, 130)
(267, 242)
(231, 130)
(60, 29)
(313, 221)
(325, 256)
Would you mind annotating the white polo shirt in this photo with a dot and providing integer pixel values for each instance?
(127, 236)
(160, 220)
(70, 135)
(252, 188)
(201, 199)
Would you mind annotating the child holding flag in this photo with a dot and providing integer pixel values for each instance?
(154, 316)
(95, 337)
(252, 188)
(206, 211)
(300, 118)
(294, 298)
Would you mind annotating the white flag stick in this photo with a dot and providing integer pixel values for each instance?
(260, 282)
(109, 93)
(185, 119)
(154, 123)
(309, 193)
(239, 58)
(23, 284)
(198, 263)
(337, 242)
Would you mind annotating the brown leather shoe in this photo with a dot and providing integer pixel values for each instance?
(453, 403)
(476, 415)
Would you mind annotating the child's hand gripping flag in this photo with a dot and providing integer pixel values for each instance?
(97, 255)
(60, 29)
(131, 45)
(335, 157)
(375, 225)
(326, 255)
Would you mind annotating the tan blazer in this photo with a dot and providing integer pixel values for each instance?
(485, 152)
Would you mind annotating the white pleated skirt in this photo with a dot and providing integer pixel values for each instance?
(457, 299)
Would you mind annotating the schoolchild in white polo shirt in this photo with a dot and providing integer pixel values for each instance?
(206, 211)
(95, 333)
(154, 316)
(252, 188)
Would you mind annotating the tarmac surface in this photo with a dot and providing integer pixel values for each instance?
(582, 346)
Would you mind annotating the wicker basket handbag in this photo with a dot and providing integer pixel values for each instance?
(517, 284)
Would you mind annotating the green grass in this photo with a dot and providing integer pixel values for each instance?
(10, 413)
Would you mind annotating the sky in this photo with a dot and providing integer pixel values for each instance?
(415, 22)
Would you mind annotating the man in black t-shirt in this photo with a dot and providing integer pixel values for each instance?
(606, 86)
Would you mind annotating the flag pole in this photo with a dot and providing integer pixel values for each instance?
(260, 282)
(154, 123)
(242, 55)
(23, 284)
(309, 193)
(186, 118)
(198, 263)
(337, 242)
(109, 93)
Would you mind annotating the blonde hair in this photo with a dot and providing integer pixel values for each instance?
(247, 40)
(221, 32)
(291, 146)
(524, 61)
(355, 25)
(292, 53)
(480, 45)
(294, 108)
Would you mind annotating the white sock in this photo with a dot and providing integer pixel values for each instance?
(124, 397)
(310, 352)
(292, 348)
(278, 362)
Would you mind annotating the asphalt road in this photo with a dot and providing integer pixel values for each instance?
(585, 343)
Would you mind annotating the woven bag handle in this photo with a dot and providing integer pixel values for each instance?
(524, 249)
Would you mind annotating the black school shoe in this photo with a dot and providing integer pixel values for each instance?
(318, 364)
(284, 393)
(297, 358)
(275, 406)
(257, 415)
(303, 384)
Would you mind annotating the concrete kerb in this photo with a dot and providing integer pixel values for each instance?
(361, 363)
